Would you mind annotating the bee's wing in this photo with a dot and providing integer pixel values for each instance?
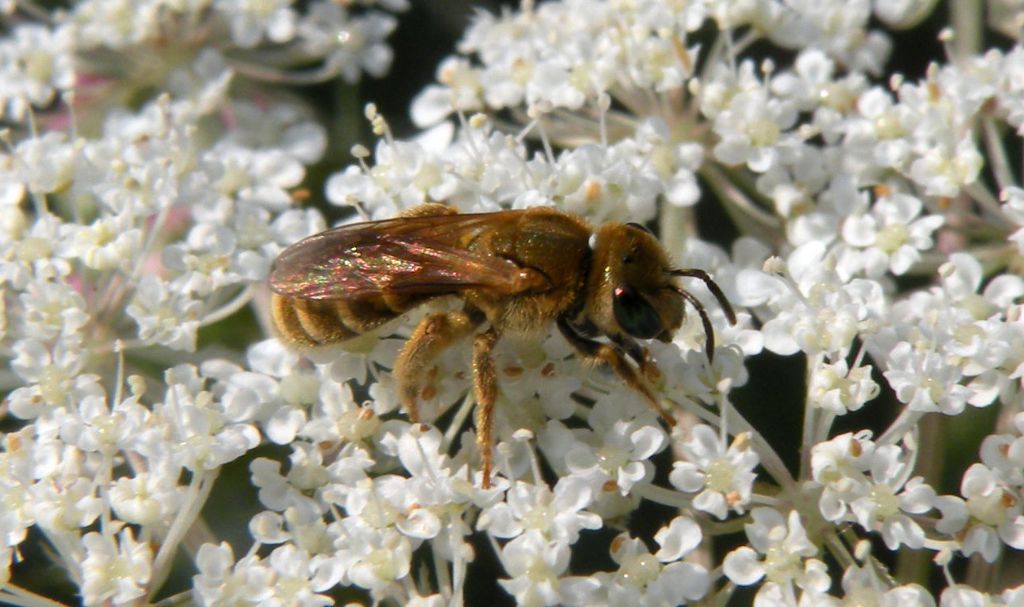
(404, 256)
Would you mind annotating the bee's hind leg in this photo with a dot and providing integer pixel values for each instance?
(485, 389)
(429, 340)
(429, 209)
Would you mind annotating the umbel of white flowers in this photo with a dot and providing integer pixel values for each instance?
(155, 165)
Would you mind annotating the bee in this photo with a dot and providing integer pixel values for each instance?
(516, 272)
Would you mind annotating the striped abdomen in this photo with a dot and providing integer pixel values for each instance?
(311, 323)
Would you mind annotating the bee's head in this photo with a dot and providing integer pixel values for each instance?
(635, 292)
(632, 289)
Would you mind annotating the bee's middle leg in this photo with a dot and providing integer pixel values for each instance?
(429, 340)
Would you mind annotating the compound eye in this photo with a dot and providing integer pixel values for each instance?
(634, 314)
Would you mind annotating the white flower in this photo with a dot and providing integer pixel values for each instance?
(306, 473)
(902, 14)
(782, 554)
(723, 476)
(405, 174)
(461, 91)
(101, 426)
(148, 498)
(944, 171)
(1013, 596)
(659, 63)
(892, 236)
(891, 497)
(877, 135)
(51, 309)
(337, 417)
(303, 527)
(249, 396)
(145, 162)
(839, 465)
(154, 169)
(534, 565)
(995, 510)
(52, 375)
(294, 225)
(115, 570)
(751, 128)
(841, 28)
(551, 84)
(293, 580)
(682, 188)
(373, 558)
(862, 586)
(934, 341)
(251, 20)
(818, 311)
(164, 316)
(1004, 453)
(871, 484)
(31, 253)
(115, 23)
(35, 64)
(961, 595)
(273, 134)
(349, 44)
(361, 358)
(45, 164)
(222, 581)
(23, 460)
(811, 84)
(252, 176)
(63, 506)
(438, 488)
(558, 515)
(196, 432)
(108, 243)
(204, 259)
(925, 381)
(838, 389)
(538, 378)
(648, 579)
(621, 456)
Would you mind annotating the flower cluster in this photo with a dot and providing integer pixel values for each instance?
(154, 168)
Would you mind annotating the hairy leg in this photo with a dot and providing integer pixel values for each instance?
(596, 351)
(432, 336)
(428, 209)
(640, 355)
(485, 389)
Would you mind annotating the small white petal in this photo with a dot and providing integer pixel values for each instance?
(647, 441)
(678, 539)
(742, 567)
(686, 477)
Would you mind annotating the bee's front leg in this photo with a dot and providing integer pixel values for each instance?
(641, 356)
(485, 389)
(432, 336)
(612, 356)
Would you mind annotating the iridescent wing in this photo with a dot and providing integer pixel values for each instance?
(403, 256)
